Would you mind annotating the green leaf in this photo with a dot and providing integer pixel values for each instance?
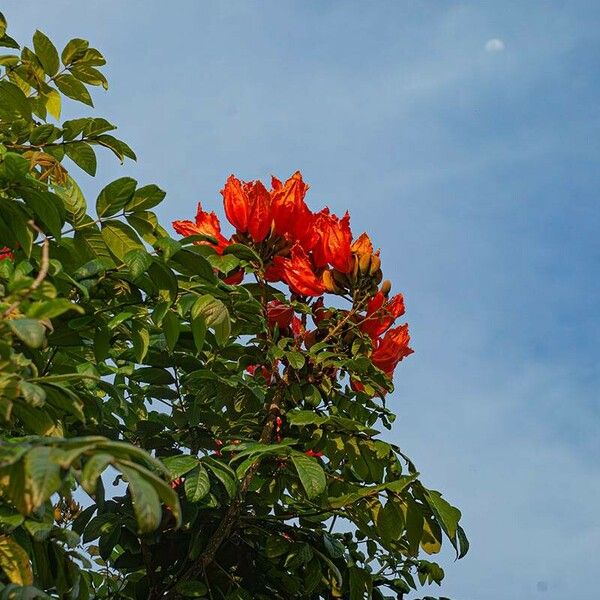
(197, 484)
(153, 375)
(120, 238)
(44, 134)
(93, 468)
(90, 244)
(9, 518)
(180, 465)
(49, 309)
(73, 88)
(29, 331)
(73, 200)
(14, 561)
(212, 310)
(115, 196)
(13, 103)
(164, 279)
(89, 75)
(199, 332)
(165, 493)
(74, 50)
(42, 475)
(171, 328)
(138, 261)
(192, 263)
(296, 359)
(390, 521)
(223, 473)
(83, 156)
(119, 148)
(145, 500)
(191, 589)
(140, 336)
(311, 475)
(48, 209)
(446, 515)
(463, 542)
(46, 52)
(145, 197)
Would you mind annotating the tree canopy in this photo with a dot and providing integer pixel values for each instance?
(190, 414)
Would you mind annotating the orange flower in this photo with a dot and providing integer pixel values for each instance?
(297, 272)
(236, 203)
(362, 245)
(279, 313)
(391, 349)
(259, 221)
(381, 314)
(206, 224)
(291, 215)
(248, 207)
(333, 241)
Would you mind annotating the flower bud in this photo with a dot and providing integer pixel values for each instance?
(355, 267)
(328, 282)
(386, 287)
(364, 263)
(375, 264)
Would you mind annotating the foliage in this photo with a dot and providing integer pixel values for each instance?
(237, 419)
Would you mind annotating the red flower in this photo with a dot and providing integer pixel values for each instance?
(357, 386)
(234, 277)
(333, 241)
(274, 272)
(297, 272)
(176, 483)
(314, 453)
(381, 314)
(248, 207)
(297, 327)
(279, 313)
(6, 254)
(391, 349)
(262, 370)
(206, 223)
(291, 216)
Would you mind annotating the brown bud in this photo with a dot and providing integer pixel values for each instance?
(364, 263)
(341, 279)
(349, 337)
(355, 267)
(386, 287)
(329, 283)
(375, 264)
(377, 277)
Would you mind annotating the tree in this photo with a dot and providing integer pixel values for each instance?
(235, 410)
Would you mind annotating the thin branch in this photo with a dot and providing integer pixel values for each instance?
(224, 528)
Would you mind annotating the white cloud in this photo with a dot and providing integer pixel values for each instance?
(494, 45)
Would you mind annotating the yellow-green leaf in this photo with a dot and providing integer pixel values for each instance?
(15, 562)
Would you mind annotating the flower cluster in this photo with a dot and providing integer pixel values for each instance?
(313, 253)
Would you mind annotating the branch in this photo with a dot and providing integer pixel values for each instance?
(45, 262)
(223, 531)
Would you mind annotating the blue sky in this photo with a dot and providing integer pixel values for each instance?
(475, 170)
